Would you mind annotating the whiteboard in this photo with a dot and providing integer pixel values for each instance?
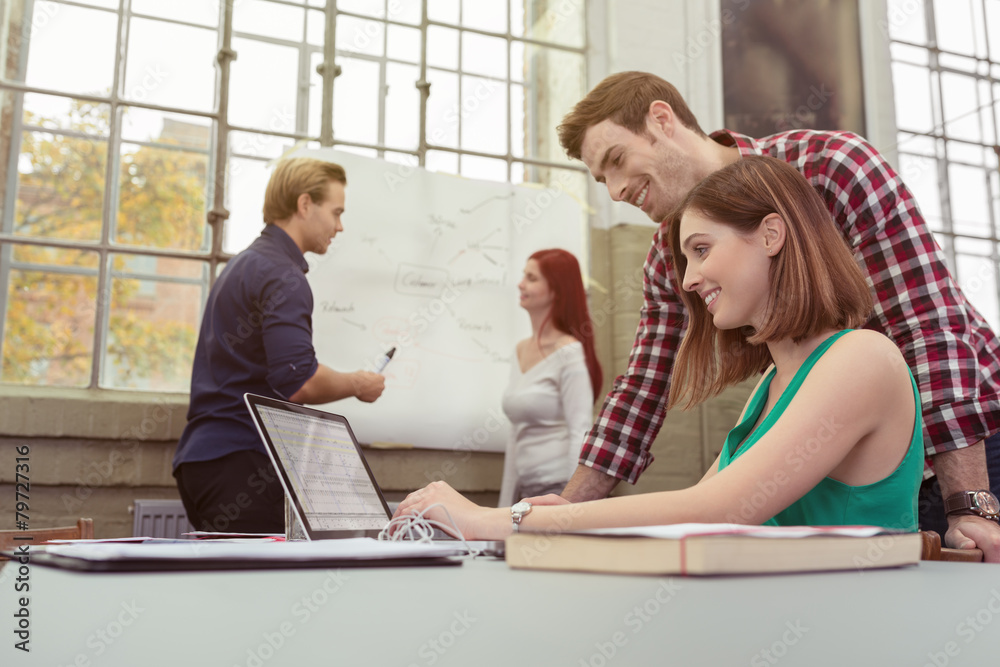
(429, 264)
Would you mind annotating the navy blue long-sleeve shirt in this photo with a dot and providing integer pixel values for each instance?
(256, 336)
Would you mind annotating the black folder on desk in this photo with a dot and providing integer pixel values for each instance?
(200, 556)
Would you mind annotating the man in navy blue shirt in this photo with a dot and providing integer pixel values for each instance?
(256, 336)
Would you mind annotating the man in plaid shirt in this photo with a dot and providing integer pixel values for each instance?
(636, 135)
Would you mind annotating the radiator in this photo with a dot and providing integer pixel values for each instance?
(159, 518)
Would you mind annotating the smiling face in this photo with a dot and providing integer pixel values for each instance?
(730, 272)
(321, 221)
(650, 172)
(536, 295)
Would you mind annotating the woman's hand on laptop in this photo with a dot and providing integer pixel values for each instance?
(475, 522)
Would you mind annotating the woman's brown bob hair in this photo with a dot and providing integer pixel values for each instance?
(815, 284)
(624, 98)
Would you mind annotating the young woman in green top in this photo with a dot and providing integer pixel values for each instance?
(830, 436)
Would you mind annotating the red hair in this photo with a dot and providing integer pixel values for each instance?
(569, 312)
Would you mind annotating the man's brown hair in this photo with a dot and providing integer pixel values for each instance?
(295, 177)
(624, 98)
(815, 284)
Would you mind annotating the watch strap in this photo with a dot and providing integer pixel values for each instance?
(960, 502)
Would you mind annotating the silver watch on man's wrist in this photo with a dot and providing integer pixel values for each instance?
(517, 512)
(978, 503)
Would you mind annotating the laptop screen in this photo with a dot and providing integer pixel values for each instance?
(321, 467)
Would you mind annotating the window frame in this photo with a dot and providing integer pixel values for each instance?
(220, 151)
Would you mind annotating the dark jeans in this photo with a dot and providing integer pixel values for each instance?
(930, 505)
(238, 493)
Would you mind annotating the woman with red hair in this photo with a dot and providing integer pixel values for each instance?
(555, 379)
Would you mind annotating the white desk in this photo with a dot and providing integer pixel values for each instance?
(483, 613)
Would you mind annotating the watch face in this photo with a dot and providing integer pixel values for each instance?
(987, 502)
(520, 507)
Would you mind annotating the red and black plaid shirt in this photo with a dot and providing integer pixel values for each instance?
(953, 353)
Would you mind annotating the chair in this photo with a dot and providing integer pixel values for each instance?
(932, 550)
(12, 539)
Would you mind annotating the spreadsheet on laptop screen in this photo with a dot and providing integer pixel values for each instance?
(325, 471)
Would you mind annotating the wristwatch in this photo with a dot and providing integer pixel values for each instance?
(979, 503)
(518, 512)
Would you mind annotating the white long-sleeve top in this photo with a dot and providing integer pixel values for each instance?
(550, 410)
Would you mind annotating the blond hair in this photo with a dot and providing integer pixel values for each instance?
(295, 177)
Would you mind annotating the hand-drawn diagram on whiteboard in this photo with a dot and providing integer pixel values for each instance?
(429, 264)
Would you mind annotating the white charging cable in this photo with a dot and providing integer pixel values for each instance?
(418, 528)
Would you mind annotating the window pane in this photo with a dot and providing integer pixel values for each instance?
(63, 113)
(484, 115)
(402, 106)
(993, 28)
(316, 28)
(404, 44)
(558, 21)
(49, 324)
(356, 101)
(360, 36)
(913, 85)
(961, 63)
(153, 325)
(244, 201)
(405, 11)
(969, 200)
(262, 86)
(484, 55)
(445, 11)
(269, 19)
(162, 194)
(987, 120)
(315, 95)
(916, 143)
(87, 34)
(913, 55)
(442, 109)
(921, 177)
(374, 8)
(905, 21)
(202, 12)
(954, 27)
(60, 190)
(442, 47)
(960, 107)
(155, 73)
(968, 153)
(977, 278)
(491, 16)
(168, 128)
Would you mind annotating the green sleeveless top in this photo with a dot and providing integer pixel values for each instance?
(891, 502)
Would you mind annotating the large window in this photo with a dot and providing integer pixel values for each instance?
(946, 75)
(137, 137)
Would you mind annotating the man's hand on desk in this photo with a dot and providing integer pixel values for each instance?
(971, 532)
(588, 484)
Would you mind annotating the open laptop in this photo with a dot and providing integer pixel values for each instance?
(323, 471)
